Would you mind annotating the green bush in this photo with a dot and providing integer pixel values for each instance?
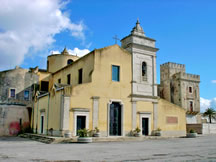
(192, 131)
(137, 130)
(96, 130)
(83, 132)
(158, 129)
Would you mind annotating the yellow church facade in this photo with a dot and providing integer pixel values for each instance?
(100, 90)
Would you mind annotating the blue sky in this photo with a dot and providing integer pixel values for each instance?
(185, 31)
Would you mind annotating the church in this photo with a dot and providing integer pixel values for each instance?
(112, 88)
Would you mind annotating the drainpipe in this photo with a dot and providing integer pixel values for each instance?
(32, 124)
(48, 113)
(37, 115)
(32, 119)
(61, 113)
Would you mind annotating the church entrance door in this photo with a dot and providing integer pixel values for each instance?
(145, 126)
(115, 119)
(81, 122)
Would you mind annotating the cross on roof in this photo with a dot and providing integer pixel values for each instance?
(116, 39)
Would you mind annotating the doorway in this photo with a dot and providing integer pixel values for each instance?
(81, 123)
(115, 119)
(145, 126)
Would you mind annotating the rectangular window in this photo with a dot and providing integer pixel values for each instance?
(80, 73)
(26, 95)
(191, 105)
(59, 81)
(115, 73)
(44, 86)
(190, 90)
(68, 79)
(12, 93)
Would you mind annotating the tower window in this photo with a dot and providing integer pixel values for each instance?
(12, 93)
(191, 105)
(144, 71)
(68, 79)
(190, 89)
(80, 76)
(26, 95)
(115, 73)
(70, 61)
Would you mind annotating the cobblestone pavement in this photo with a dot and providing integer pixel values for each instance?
(202, 148)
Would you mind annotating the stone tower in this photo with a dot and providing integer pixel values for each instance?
(144, 87)
(180, 88)
(56, 62)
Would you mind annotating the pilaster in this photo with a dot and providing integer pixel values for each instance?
(95, 111)
(133, 114)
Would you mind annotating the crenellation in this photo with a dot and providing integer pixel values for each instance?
(187, 76)
(173, 65)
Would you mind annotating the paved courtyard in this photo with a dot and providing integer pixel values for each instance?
(202, 148)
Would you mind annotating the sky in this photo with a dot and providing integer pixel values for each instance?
(184, 30)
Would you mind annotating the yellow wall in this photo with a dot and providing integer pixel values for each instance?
(40, 105)
(51, 105)
(143, 106)
(167, 109)
(103, 86)
(43, 76)
(87, 63)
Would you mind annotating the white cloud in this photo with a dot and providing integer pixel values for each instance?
(214, 81)
(78, 52)
(31, 25)
(206, 103)
(54, 52)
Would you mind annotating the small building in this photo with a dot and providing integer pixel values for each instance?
(17, 87)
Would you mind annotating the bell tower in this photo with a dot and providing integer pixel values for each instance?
(143, 53)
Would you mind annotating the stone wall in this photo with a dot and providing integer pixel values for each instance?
(19, 79)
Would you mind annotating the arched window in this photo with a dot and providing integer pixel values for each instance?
(144, 71)
(69, 61)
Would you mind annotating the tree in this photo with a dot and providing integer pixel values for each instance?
(211, 113)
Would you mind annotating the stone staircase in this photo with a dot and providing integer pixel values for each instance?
(51, 139)
(47, 139)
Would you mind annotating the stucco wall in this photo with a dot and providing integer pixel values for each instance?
(171, 119)
(106, 89)
(10, 116)
(86, 63)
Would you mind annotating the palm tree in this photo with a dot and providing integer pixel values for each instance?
(211, 113)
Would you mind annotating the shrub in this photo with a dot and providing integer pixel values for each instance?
(192, 131)
(83, 132)
(158, 129)
(137, 130)
(96, 130)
